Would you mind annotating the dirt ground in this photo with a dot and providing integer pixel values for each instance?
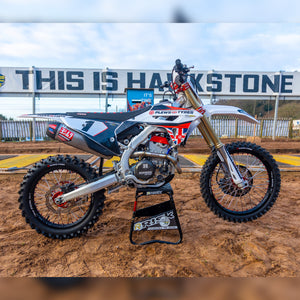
(267, 247)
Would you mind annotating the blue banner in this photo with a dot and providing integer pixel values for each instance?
(139, 98)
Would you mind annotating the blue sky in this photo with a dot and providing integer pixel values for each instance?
(219, 46)
(227, 35)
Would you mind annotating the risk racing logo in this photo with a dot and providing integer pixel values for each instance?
(2, 80)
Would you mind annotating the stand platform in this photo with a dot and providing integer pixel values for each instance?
(161, 217)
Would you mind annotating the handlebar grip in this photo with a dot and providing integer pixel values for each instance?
(178, 62)
(178, 65)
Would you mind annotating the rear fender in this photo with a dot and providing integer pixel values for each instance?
(236, 112)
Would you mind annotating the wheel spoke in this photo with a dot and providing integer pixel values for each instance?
(233, 198)
(45, 179)
(50, 187)
(260, 173)
(57, 181)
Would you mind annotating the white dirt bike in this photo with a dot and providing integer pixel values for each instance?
(62, 196)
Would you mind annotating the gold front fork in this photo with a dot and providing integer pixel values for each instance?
(205, 127)
(213, 140)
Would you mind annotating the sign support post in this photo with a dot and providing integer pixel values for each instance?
(106, 96)
(33, 103)
(106, 102)
(276, 107)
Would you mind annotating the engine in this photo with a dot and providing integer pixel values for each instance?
(154, 164)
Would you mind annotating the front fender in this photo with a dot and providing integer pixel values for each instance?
(236, 112)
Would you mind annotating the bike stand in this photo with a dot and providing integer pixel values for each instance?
(162, 216)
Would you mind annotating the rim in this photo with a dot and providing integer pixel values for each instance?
(50, 186)
(233, 199)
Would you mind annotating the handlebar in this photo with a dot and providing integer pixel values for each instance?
(182, 70)
(165, 85)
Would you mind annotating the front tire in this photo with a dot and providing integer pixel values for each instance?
(228, 201)
(49, 179)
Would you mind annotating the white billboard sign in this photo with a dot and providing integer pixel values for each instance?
(114, 81)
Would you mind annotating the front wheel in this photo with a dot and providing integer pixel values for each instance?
(229, 201)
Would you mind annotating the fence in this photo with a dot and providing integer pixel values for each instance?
(224, 127)
(22, 130)
(236, 128)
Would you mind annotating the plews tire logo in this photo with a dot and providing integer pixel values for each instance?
(2, 80)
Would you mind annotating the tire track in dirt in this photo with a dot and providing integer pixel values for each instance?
(210, 247)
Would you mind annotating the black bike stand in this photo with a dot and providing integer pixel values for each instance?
(161, 216)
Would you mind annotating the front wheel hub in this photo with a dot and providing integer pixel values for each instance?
(230, 188)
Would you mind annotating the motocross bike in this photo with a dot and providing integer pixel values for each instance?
(62, 196)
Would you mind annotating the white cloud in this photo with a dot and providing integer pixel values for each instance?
(222, 46)
(96, 45)
(288, 40)
(41, 43)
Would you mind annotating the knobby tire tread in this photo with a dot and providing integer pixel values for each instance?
(210, 200)
(32, 177)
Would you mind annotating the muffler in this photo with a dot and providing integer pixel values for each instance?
(88, 188)
(71, 137)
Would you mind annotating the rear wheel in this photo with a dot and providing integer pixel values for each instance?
(232, 203)
(48, 180)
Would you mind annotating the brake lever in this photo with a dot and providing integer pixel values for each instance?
(186, 69)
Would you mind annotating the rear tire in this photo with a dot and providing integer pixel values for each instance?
(49, 179)
(229, 202)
